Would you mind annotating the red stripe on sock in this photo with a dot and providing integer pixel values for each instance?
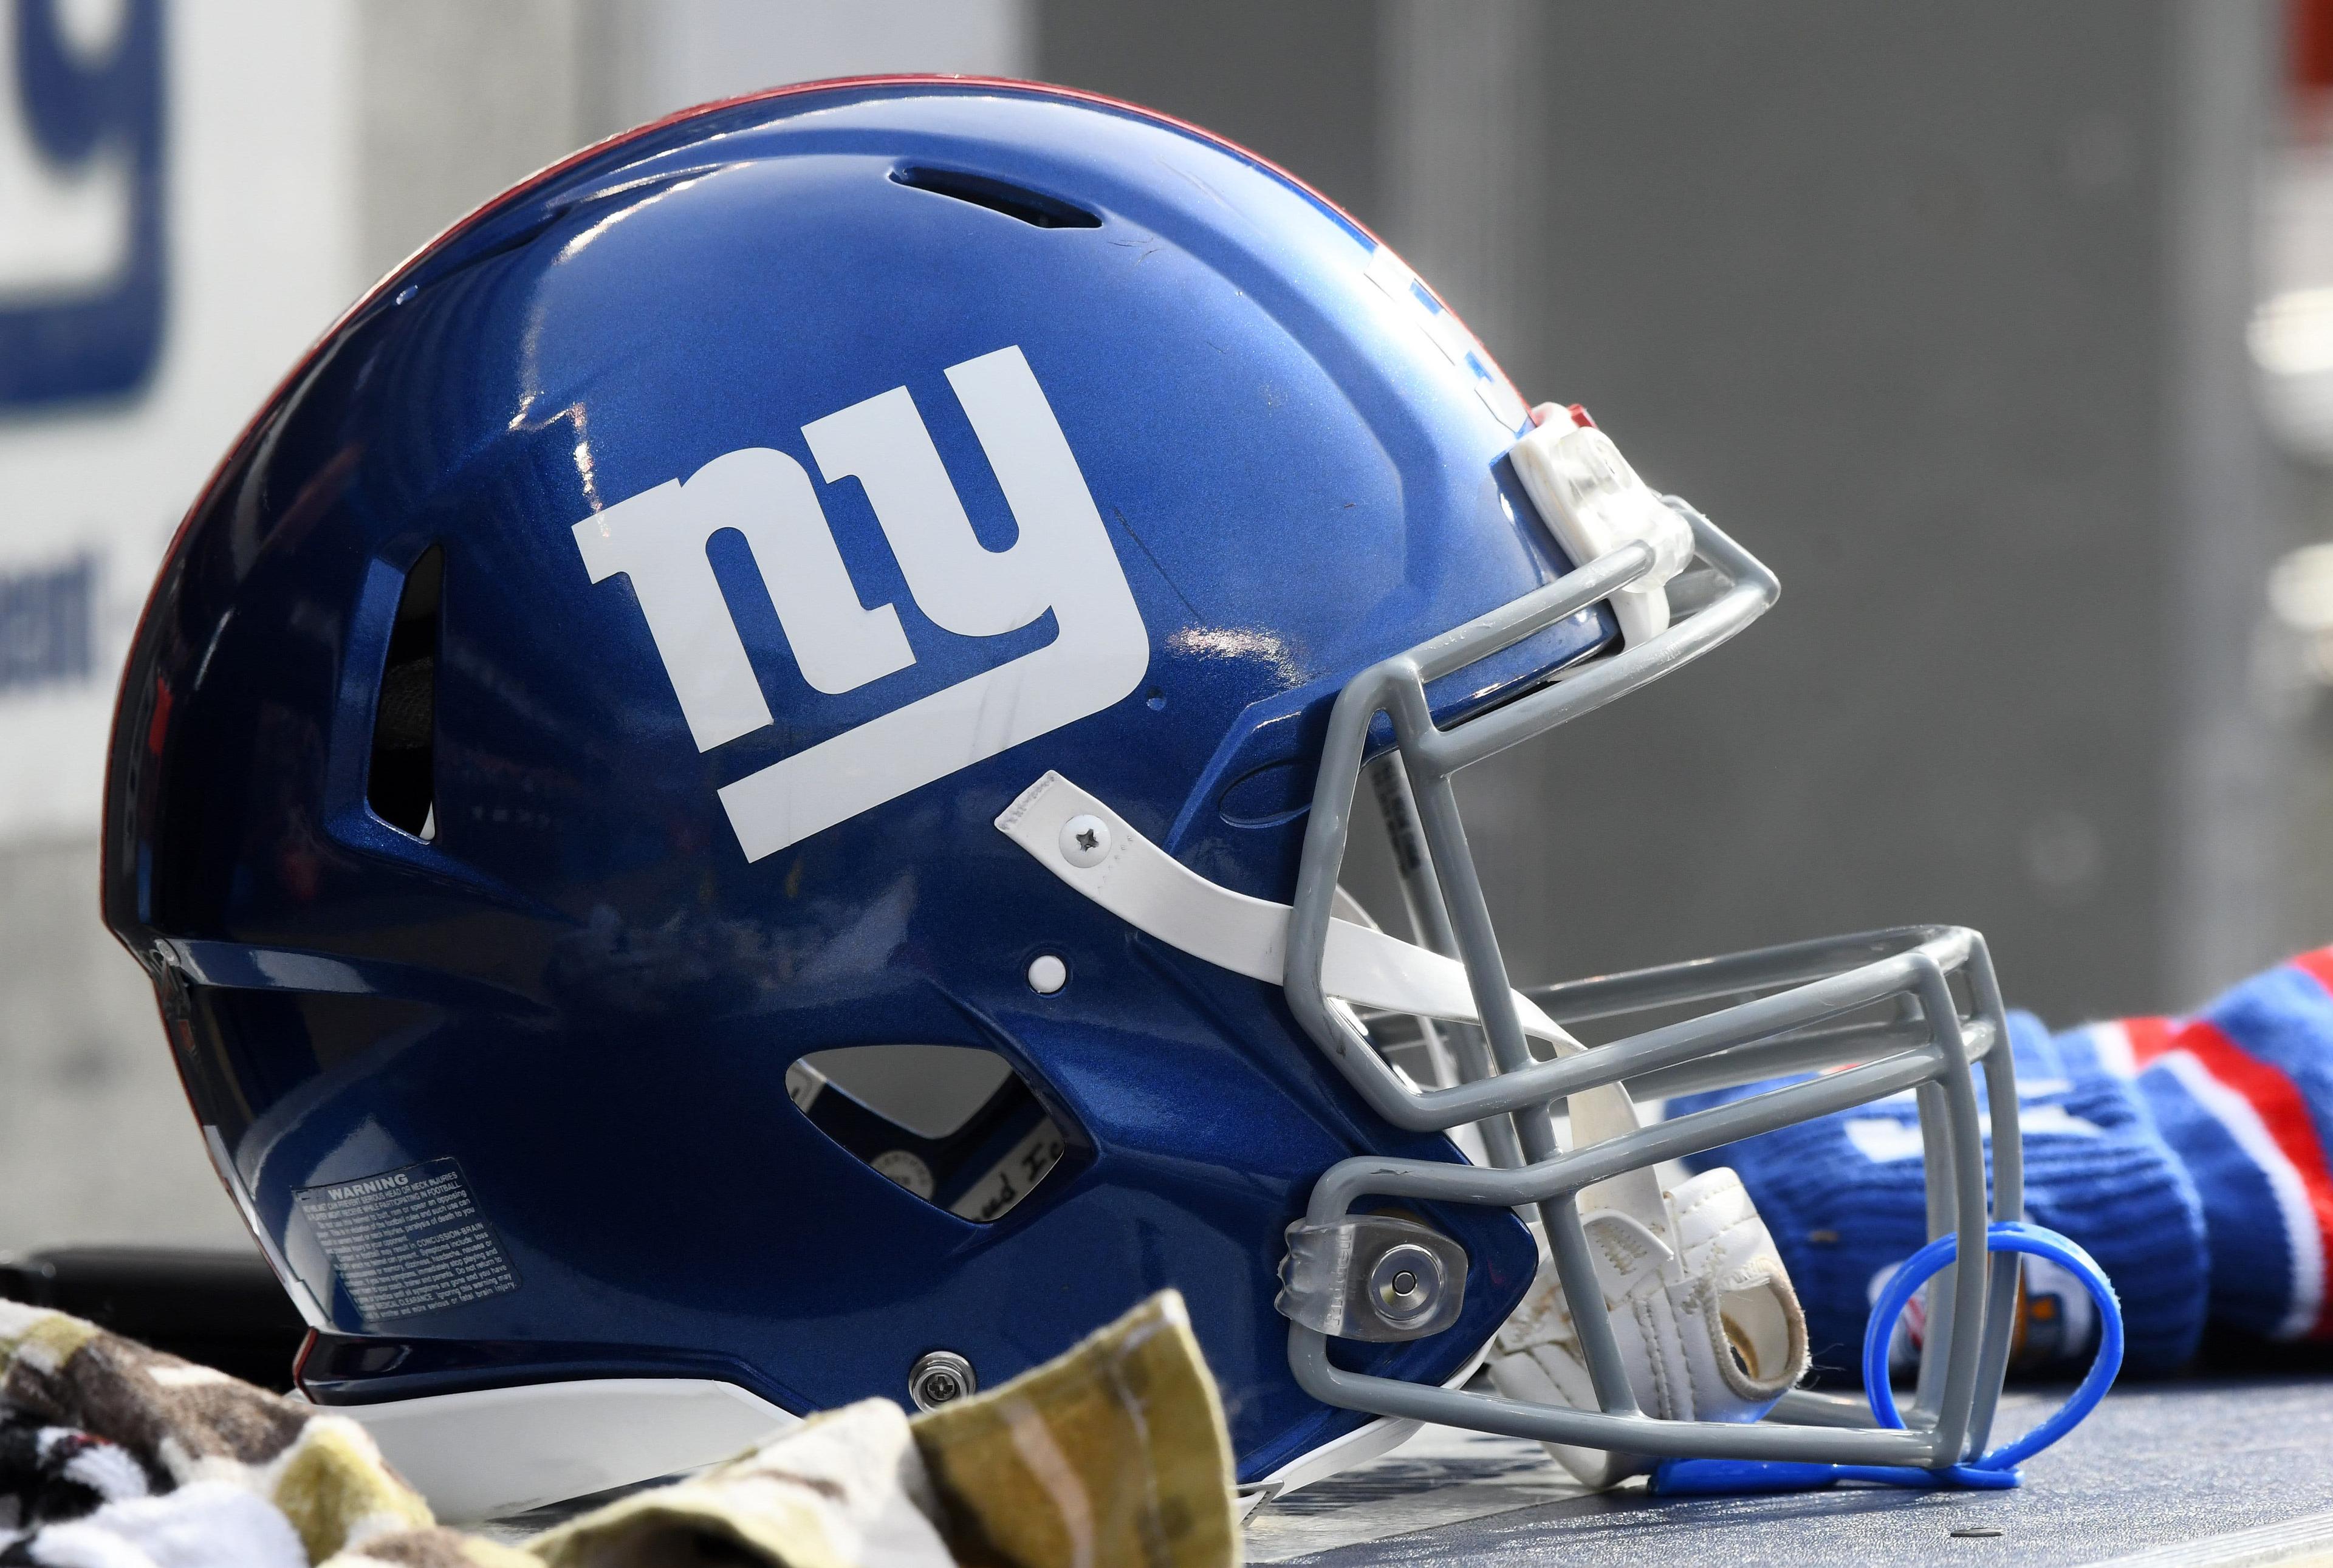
(2282, 1108)
(2149, 1037)
(2318, 965)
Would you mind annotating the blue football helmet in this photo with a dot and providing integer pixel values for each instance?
(735, 796)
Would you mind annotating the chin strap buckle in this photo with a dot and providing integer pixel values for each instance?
(1370, 1276)
(1594, 503)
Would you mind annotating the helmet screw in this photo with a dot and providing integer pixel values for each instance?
(1085, 841)
(1047, 974)
(940, 1378)
(1406, 1285)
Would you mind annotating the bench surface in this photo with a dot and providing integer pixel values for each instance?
(2220, 1472)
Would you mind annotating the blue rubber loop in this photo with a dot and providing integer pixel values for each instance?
(1993, 1471)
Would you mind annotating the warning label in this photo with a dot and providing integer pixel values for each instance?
(408, 1241)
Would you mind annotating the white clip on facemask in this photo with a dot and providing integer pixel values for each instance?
(1594, 503)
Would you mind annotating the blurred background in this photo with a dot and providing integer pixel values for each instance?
(2004, 332)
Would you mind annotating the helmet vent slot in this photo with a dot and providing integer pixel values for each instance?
(953, 1124)
(1014, 201)
(402, 783)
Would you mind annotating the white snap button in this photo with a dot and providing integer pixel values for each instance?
(1047, 974)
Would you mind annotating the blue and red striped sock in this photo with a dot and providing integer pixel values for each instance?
(1844, 1198)
(2243, 1092)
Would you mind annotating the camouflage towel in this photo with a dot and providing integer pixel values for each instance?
(114, 1456)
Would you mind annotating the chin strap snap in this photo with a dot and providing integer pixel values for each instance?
(1700, 1303)
(1994, 1471)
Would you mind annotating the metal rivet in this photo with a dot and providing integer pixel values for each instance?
(1406, 1285)
(940, 1378)
(1085, 841)
(1047, 974)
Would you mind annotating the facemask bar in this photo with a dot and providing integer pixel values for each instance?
(1802, 1023)
(1429, 921)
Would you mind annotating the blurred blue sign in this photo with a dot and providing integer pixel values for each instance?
(46, 625)
(81, 198)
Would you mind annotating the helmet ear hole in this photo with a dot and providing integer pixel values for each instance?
(400, 784)
(955, 1125)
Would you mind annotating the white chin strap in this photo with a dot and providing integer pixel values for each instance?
(1157, 894)
(1703, 1312)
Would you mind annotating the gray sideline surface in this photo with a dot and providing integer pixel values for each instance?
(2219, 1473)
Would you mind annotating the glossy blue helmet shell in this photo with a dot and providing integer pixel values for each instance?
(577, 993)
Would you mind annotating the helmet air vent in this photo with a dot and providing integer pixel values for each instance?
(1014, 201)
(400, 786)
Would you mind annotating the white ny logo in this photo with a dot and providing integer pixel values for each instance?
(1062, 561)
